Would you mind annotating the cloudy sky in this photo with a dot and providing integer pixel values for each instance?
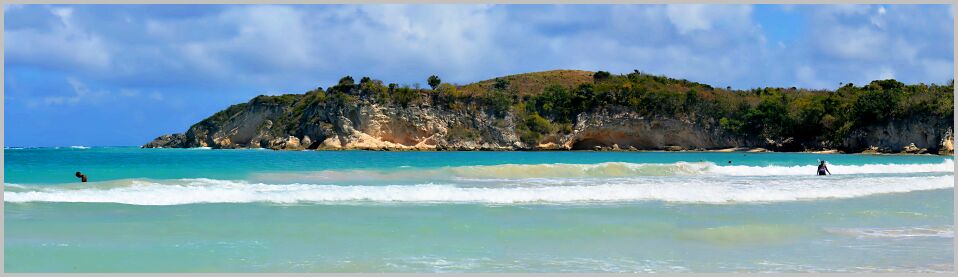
(121, 75)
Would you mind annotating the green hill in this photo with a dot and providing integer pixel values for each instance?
(543, 106)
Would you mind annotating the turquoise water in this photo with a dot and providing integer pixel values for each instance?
(200, 210)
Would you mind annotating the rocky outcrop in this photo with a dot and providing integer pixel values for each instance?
(912, 149)
(618, 129)
(287, 143)
(947, 143)
(367, 125)
(371, 126)
(168, 141)
(912, 135)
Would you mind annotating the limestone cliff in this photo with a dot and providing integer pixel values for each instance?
(370, 126)
(917, 135)
(363, 120)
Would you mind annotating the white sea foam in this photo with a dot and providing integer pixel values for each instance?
(690, 190)
(79, 147)
(947, 165)
(904, 232)
(18, 186)
(600, 170)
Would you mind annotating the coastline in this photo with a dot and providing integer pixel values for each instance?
(612, 200)
(665, 150)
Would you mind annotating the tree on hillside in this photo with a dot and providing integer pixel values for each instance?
(347, 81)
(434, 81)
(601, 75)
(501, 84)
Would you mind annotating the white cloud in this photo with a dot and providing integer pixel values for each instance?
(448, 38)
(80, 93)
(701, 17)
(852, 42)
(687, 18)
(64, 14)
(885, 73)
(63, 46)
(283, 48)
(861, 43)
(282, 45)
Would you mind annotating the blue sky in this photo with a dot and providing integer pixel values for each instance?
(121, 75)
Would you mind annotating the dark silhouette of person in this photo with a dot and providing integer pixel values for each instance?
(81, 176)
(822, 169)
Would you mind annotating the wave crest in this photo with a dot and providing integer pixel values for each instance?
(905, 232)
(692, 190)
(600, 170)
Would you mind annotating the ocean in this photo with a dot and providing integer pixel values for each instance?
(203, 210)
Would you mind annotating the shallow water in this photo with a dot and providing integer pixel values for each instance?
(194, 210)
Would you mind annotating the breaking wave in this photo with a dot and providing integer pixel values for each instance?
(600, 170)
(689, 190)
(904, 232)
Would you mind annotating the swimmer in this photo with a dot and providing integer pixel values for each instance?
(81, 176)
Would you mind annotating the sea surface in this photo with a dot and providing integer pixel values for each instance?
(202, 210)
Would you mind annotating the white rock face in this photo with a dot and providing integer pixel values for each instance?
(947, 143)
(367, 125)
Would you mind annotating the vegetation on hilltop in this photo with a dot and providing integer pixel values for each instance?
(549, 102)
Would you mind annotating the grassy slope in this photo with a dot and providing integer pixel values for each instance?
(533, 83)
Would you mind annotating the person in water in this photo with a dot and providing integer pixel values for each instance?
(822, 169)
(81, 176)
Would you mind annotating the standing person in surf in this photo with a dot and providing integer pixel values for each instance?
(822, 169)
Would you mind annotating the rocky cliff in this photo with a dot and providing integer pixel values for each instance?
(328, 121)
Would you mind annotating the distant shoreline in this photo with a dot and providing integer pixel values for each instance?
(723, 150)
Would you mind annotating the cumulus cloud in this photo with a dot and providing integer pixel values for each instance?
(221, 54)
(65, 46)
(859, 43)
(694, 17)
(688, 18)
(297, 47)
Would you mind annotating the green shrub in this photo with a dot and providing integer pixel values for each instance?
(462, 133)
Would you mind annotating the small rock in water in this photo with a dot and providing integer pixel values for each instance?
(871, 150)
(911, 149)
